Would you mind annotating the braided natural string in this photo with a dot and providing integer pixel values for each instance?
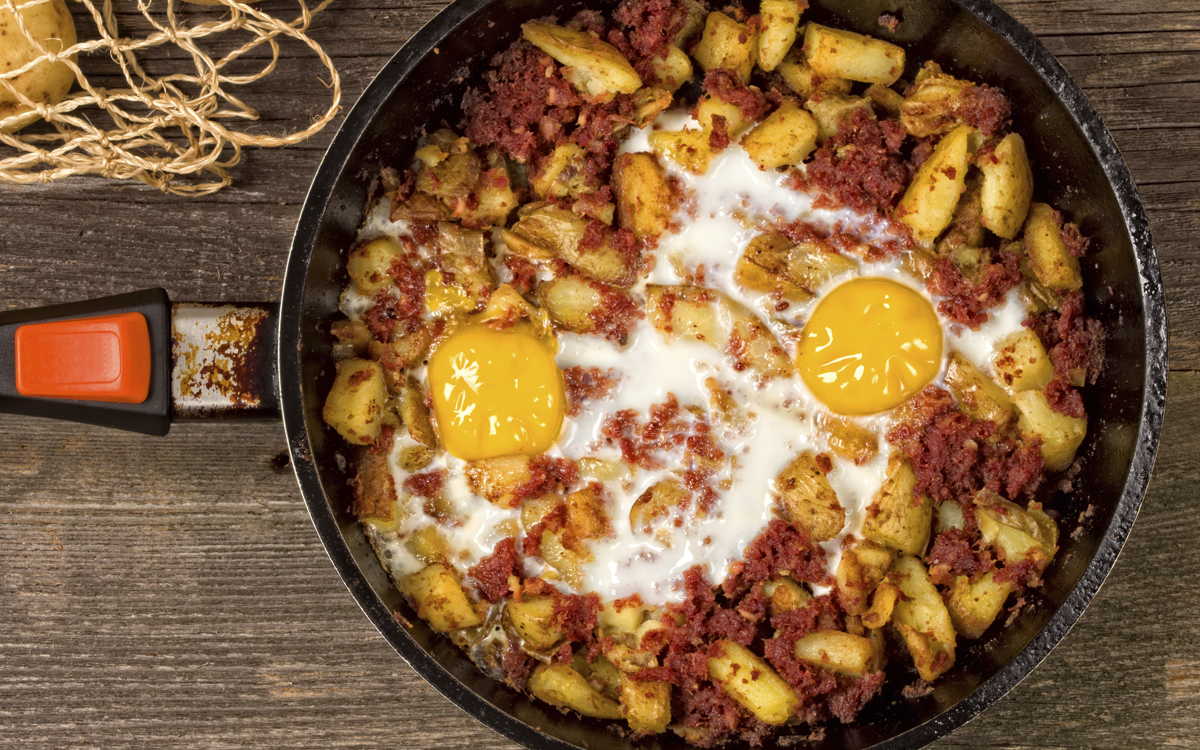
(159, 128)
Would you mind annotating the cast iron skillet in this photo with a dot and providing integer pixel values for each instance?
(1078, 170)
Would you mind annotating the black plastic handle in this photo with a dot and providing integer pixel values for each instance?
(150, 417)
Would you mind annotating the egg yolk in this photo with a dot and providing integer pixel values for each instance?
(496, 393)
(869, 346)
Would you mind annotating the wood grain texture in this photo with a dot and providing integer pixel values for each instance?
(170, 592)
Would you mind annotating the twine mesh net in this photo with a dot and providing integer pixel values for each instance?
(179, 130)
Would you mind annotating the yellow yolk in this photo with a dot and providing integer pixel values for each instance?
(870, 345)
(496, 393)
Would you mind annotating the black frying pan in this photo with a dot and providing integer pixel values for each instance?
(1078, 169)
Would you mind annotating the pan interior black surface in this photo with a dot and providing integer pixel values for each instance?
(1077, 169)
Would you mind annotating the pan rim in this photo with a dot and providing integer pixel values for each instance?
(1105, 151)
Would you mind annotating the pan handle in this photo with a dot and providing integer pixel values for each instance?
(138, 362)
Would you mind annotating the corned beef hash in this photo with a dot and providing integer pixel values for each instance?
(708, 364)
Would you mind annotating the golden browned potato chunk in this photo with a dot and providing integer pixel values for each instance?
(922, 619)
(830, 110)
(644, 197)
(688, 148)
(429, 545)
(978, 394)
(463, 253)
(859, 573)
(784, 138)
(1017, 533)
(778, 31)
(1007, 187)
(368, 265)
(897, 518)
(560, 685)
(375, 492)
(727, 44)
(548, 232)
(415, 414)
(570, 302)
(974, 606)
(593, 66)
(440, 598)
(933, 104)
(674, 70)
(843, 653)
(785, 595)
(355, 405)
(1061, 435)
(658, 502)
(808, 501)
(802, 79)
(749, 680)
(1022, 363)
(1048, 257)
(497, 478)
(562, 175)
(533, 619)
(812, 265)
(928, 203)
(847, 438)
(844, 54)
(646, 705)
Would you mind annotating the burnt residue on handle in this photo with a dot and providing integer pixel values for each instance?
(223, 361)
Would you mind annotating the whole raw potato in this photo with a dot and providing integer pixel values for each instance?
(51, 25)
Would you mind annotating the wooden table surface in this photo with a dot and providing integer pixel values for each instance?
(171, 592)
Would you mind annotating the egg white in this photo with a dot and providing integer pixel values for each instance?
(780, 416)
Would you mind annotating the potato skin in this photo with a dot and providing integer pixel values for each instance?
(50, 23)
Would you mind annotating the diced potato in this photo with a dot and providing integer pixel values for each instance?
(932, 107)
(883, 601)
(784, 138)
(674, 70)
(600, 673)
(368, 265)
(494, 193)
(567, 562)
(978, 394)
(533, 619)
(570, 302)
(353, 338)
(727, 44)
(587, 513)
(415, 458)
(658, 502)
(844, 54)
(534, 509)
(685, 312)
(752, 682)
(922, 619)
(562, 175)
(560, 685)
(415, 414)
(1017, 533)
(497, 478)
(622, 616)
(948, 515)
(843, 653)
(648, 103)
(428, 544)
(847, 438)
(974, 606)
(593, 66)
(644, 197)
(549, 231)
(896, 517)
(859, 572)
(1048, 256)
(811, 265)
(802, 79)
(439, 598)
(928, 203)
(463, 253)
(1007, 187)
(830, 110)
(709, 106)
(808, 501)
(1061, 435)
(1022, 363)
(375, 492)
(355, 405)
(778, 32)
(756, 277)
(961, 242)
(646, 705)
(687, 148)
(885, 98)
(785, 595)
(451, 169)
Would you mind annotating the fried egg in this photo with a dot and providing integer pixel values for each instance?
(866, 343)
